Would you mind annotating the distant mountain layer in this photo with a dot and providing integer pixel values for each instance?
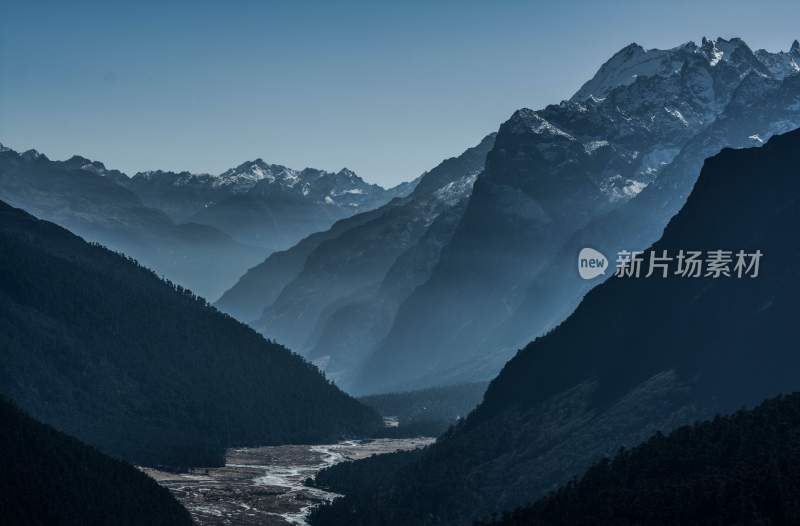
(605, 169)
(261, 204)
(102, 349)
(51, 479)
(639, 355)
(200, 231)
(742, 469)
(333, 296)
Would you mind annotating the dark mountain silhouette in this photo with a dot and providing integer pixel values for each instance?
(742, 469)
(102, 349)
(51, 479)
(637, 356)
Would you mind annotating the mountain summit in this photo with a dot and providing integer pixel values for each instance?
(605, 169)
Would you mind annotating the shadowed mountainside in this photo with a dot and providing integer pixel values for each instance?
(102, 349)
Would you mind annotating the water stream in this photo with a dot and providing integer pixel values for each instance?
(265, 485)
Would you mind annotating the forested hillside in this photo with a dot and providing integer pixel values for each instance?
(104, 350)
(741, 469)
(51, 479)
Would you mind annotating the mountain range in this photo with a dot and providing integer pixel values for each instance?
(603, 170)
(260, 204)
(410, 296)
(639, 355)
(201, 231)
(100, 348)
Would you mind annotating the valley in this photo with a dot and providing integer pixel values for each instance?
(208, 317)
(265, 485)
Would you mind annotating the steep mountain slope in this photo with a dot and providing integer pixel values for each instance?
(637, 356)
(625, 149)
(350, 285)
(261, 204)
(741, 469)
(346, 282)
(51, 479)
(261, 285)
(760, 108)
(102, 349)
(85, 197)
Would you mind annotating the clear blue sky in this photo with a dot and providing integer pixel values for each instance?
(386, 89)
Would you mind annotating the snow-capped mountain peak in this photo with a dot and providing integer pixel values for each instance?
(622, 69)
(720, 49)
(781, 64)
(634, 62)
(257, 177)
(248, 174)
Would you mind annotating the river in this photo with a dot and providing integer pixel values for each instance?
(264, 485)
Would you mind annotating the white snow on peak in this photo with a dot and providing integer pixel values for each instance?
(258, 174)
(757, 138)
(591, 146)
(719, 49)
(633, 188)
(627, 65)
(455, 191)
(246, 175)
(716, 56)
(619, 189)
(677, 114)
(634, 62)
(534, 122)
(95, 168)
(781, 64)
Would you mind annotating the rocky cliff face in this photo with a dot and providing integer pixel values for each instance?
(351, 283)
(609, 167)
